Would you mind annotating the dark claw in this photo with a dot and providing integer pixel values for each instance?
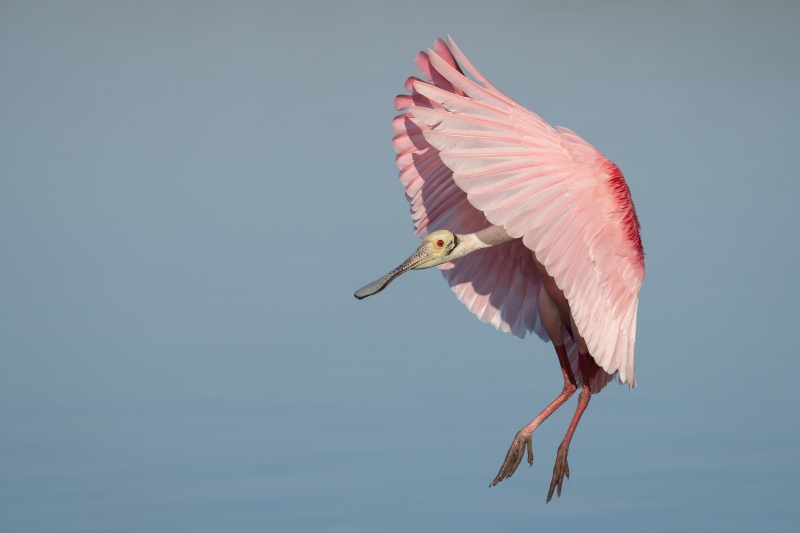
(530, 451)
(514, 457)
(560, 470)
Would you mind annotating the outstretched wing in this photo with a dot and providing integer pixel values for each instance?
(500, 285)
(546, 186)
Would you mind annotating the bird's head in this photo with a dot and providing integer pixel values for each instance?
(437, 248)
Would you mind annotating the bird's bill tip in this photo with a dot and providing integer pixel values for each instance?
(420, 256)
(376, 286)
(366, 290)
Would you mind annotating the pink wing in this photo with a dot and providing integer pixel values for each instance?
(470, 156)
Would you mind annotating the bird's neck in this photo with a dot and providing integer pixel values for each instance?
(485, 238)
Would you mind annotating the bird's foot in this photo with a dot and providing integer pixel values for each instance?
(560, 470)
(514, 456)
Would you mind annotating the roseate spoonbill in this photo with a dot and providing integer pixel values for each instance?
(533, 228)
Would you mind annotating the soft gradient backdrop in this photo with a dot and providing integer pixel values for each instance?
(190, 192)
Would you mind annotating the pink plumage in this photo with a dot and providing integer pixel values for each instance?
(470, 156)
(533, 228)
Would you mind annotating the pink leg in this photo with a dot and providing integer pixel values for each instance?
(561, 468)
(523, 438)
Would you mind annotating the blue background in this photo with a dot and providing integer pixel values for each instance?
(190, 193)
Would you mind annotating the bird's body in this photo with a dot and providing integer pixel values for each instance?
(550, 220)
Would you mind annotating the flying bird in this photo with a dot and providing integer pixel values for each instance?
(532, 227)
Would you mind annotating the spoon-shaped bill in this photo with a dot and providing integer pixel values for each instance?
(378, 285)
(421, 255)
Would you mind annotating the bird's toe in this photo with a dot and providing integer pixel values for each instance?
(560, 469)
(522, 442)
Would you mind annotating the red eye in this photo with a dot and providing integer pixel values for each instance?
(440, 243)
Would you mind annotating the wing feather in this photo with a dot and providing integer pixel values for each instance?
(471, 156)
